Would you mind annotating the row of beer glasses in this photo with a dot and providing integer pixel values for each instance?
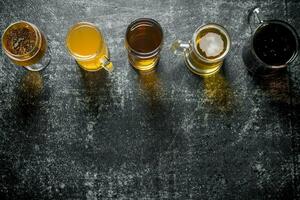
(272, 46)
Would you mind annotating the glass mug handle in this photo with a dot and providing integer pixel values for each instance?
(179, 47)
(254, 18)
(107, 64)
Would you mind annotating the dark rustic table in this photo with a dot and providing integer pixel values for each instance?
(68, 134)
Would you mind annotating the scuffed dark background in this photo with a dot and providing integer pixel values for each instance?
(67, 134)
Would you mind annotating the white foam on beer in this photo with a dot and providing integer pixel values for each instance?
(212, 44)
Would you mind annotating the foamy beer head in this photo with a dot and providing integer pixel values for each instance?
(211, 42)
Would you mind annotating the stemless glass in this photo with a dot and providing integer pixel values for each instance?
(143, 41)
(87, 45)
(273, 45)
(26, 46)
(204, 55)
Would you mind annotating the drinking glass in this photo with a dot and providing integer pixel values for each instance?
(86, 44)
(143, 41)
(26, 45)
(205, 53)
(273, 45)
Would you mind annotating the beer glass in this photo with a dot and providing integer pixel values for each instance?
(205, 53)
(86, 44)
(273, 45)
(26, 46)
(143, 41)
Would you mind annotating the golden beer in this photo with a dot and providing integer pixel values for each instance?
(86, 44)
(204, 55)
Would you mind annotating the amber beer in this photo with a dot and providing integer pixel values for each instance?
(143, 42)
(25, 45)
(86, 44)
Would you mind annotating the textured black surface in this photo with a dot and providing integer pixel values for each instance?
(69, 134)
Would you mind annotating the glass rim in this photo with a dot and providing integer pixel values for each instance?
(77, 25)
(222, 30)
(136, 22)
(286, 25)
(37, 45)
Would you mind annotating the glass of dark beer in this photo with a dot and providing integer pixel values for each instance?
(272, 47)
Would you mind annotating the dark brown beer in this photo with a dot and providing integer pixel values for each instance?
(274, 44)
(143, 40)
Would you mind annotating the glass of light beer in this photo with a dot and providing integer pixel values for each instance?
(205, 53)
(86, 44)
(26, 46)
(143, 41)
